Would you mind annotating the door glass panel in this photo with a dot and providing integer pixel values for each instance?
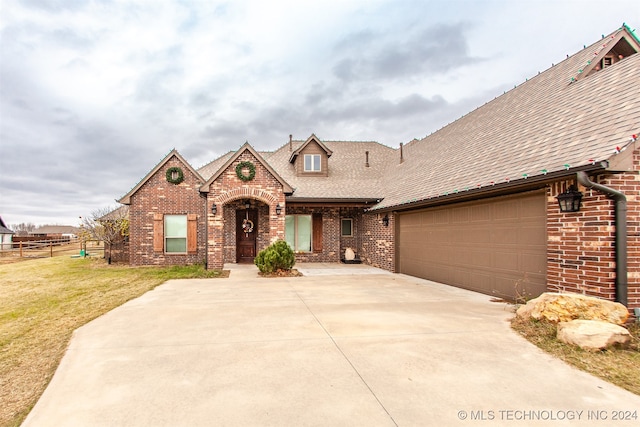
(304, 233)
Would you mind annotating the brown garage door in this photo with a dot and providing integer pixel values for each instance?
(496, 246)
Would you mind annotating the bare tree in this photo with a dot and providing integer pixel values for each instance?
(110, 225)
(23, 228)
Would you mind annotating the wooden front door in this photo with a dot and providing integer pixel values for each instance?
(246, 232)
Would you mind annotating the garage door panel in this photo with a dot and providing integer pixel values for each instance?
(492, 246)
(507, 261)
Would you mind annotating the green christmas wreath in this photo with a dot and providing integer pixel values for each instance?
(175, 175)
(240, 171)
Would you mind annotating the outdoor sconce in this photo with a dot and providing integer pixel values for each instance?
(214, 209)
(385, 221)
(278, 209)
(569, 201)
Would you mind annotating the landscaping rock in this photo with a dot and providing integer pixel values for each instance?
(593, 334)
(557, 307)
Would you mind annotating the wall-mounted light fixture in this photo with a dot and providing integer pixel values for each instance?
(385, 220)
(278, 209)
(214, 209)
(569, 201)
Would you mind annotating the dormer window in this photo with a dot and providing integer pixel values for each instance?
(311, 159)
(312, 163)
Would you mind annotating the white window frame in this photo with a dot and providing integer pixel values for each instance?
(167, 236)
(350, 220)
(313, 158)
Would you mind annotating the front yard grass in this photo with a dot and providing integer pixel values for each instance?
(617, 366)
(43, 301)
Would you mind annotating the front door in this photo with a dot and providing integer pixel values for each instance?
(246, 232)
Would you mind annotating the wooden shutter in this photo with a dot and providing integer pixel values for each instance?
(158, 232)
(192, 233)
(317, 232)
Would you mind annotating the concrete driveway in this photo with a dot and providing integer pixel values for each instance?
(342, 346)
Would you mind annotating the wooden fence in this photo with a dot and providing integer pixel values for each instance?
(45, 248)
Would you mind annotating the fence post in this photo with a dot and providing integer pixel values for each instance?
(51, 249)
(21, 249)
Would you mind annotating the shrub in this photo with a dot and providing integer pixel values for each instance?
(278, 256)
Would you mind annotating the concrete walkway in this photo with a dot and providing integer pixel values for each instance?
(357, 347)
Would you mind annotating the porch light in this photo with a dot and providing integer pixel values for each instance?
(247, 204)
(569, 201)
(385, 220)
(278, 209)
(214, 209)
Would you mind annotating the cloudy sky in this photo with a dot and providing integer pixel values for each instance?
(93, 94)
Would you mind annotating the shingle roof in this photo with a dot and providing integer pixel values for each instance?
(56, 229)
(546, 124)
(562, 120)
(348, 178)
(3, 228)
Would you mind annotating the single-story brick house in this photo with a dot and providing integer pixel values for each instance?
(473, 205)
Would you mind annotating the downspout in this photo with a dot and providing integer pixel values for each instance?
(620, 212)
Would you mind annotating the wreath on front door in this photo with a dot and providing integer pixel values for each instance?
(247, 225)
(240, 171)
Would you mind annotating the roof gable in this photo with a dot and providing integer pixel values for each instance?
(126, 199)
(247, 147)
(313, 138)
(611, 49)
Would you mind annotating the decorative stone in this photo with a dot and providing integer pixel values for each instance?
(349, 255)
(563, 307)
(593, 334)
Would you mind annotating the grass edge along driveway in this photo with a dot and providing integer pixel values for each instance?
(43, 301)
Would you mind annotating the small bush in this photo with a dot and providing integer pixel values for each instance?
(278, 256)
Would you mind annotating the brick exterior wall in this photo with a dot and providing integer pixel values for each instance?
(581, 245)
(228, 192)
(378, 243)
(157, 195)
(355, 241)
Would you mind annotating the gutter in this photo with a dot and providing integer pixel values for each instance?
(620, 212)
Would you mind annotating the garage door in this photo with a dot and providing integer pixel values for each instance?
(497, 246)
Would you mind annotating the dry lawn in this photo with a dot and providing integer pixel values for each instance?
(618, 366)
(43, 301)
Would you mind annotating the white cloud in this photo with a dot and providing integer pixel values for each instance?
(94, 93)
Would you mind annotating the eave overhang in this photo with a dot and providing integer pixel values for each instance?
(501, 189)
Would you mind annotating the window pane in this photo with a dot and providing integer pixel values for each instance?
(346, 227)
(290, 231)
(177, 245)
(307, 162)
(316, 162)
(304, 233)
(175, 226)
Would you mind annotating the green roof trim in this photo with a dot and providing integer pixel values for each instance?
(632, 32)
